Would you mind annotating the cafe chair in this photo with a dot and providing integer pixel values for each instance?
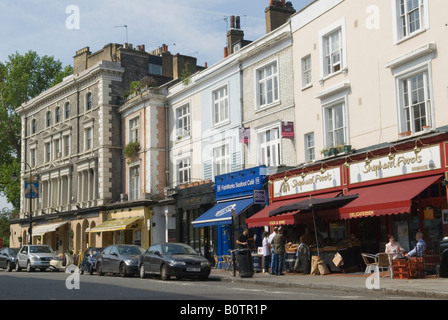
(383, 262)
(371, 263)
(218, 262)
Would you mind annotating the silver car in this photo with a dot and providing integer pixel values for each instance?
(34, 257)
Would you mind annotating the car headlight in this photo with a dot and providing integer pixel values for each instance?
(130, 261)
(176, 263)
(205, 264)
(34, 258)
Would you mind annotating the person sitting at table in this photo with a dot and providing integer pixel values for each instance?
(419, 248)
(393, 249)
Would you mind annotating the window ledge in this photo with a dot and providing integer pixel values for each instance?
(267, 106)
(417, 53)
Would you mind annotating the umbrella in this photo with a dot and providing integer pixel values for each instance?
(312, 204)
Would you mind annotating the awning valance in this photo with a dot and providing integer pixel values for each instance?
(221, 213)
(384, 199)
(43, 229)
(115, 224)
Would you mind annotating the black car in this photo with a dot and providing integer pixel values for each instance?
(8, 258)
(88, 263)
(174, 259)
(121, 258)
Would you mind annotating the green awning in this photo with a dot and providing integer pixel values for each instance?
(115, 224)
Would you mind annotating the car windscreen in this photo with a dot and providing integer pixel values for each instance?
(130, 250)
(177, 249)
(13, 251)
(40, 249)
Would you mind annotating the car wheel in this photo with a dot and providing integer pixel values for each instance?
(43, 269)
(164, 273)
(142, 271)
(8, 267)
(91, 270)
(123, 270)
(81, 271)
(99, 269)
(18, 269)
(29, 268)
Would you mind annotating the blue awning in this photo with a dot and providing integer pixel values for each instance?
(221, 213)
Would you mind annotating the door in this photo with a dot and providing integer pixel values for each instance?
(113, 260)
(154, 258)
(224, 239)
(22, 256)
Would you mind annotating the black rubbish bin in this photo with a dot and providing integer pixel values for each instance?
(245, 263)
(443, 271)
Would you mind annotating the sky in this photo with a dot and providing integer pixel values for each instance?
(59, 28)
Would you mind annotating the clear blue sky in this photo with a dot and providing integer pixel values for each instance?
(196, 27)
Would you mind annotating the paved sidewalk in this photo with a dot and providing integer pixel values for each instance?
(429, 287)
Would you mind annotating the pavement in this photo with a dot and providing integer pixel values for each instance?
(432, 287)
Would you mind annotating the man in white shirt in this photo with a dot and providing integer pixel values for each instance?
(273, 234)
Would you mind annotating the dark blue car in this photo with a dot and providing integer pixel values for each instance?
(89, 261)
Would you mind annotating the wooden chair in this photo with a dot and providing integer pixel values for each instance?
(218, 262)
(371, 263)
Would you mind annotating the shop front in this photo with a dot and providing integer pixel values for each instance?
(397, 190)
(238, 195)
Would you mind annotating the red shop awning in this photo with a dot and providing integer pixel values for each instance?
(383, 199)
(262, 218)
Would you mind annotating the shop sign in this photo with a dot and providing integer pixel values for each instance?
(401, 164)
(307, 183)
(288, 130)
(225, 210)
(243, 181)
(259, 197)
(31, 189)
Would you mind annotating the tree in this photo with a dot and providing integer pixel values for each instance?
(22, 78)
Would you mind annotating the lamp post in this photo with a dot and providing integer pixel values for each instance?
(31, 192)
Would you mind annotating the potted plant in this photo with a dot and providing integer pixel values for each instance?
(333, 151)
(325, 152)
(131, 149)
(20, 239)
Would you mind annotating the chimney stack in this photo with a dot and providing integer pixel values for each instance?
(235, 34)
(277, 14)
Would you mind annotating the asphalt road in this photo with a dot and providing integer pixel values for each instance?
(61, 286)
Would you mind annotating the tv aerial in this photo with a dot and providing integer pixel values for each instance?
(124, 26)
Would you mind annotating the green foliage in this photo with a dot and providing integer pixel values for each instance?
(185, 75)
(4, 226)
(22, 78)
(131, 149)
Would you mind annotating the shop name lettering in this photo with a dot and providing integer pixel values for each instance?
(361, 214)
(397, 163)
(299, 183)
(236, 185)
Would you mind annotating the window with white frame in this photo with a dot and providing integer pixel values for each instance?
(415, 109)
(335, 128)
(67, 110)
(134, 129)
(66, 146)
(269, 142)
(47, 147)
(332, 52)
(309, 147)
(183, 120)
(221, 159)
(267, 85)
(57, 115)
(134, 183)
(411, 17)
(220, 105)
(184, 171)
(306, 71)
(57, 148)
(88, 138)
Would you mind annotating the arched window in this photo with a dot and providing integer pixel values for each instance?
(88, 101)
(48, 119)
(67, 110)
(57, 115)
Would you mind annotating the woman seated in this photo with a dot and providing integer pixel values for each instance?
(393, 249)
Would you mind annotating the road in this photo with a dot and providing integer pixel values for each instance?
(53, 286)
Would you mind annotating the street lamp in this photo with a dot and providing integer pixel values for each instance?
(31, 192)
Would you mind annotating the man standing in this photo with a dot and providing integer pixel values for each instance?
(243, 239)
(273, 260)
(279, 245)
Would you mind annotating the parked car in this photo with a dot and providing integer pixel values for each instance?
(173, 259)
(34, 256)
(122, 259)
(88, 263)
(8, 258)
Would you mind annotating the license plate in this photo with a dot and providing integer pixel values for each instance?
(194, 269)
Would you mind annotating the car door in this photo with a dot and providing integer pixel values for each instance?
(3, 258)
(22, 256)
(154, 258)
(114, 261)
(105, 259)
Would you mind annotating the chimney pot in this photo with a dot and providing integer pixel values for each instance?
(237, 22)
(232, 22)
(225, 52)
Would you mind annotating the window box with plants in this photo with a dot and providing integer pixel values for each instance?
(131, 150)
